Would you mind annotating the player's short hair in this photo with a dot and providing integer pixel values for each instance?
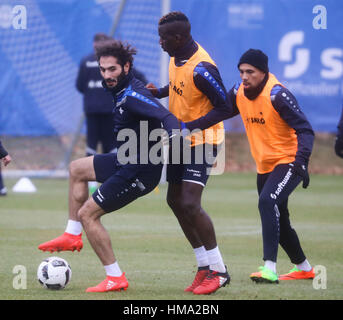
(100, 36)
(177, 16)
(172, 17)
(123, 52)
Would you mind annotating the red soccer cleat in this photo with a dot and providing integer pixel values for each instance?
(296, 274)
(213, 281)
(199, 277)
(111, 284)
(65, 242)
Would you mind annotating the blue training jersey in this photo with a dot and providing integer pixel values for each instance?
(137, 113)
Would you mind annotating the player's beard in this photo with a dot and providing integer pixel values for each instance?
(117, 81)
(253, 93)
(121, 77)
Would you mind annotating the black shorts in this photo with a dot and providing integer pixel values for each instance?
(122, 184)
(195, 167)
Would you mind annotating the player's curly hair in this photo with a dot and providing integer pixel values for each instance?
(172, 17)
(123, 52)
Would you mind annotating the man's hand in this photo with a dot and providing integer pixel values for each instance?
(301, 170)
(339, 146)
(6, 160)
(152, 88)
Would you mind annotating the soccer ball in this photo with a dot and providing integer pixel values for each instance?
(54, 273)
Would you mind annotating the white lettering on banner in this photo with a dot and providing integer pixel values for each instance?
(19, 17)
(313, 89)
(245, 16)
(335, 66)
(320, 20)
(302, 56)
(15, 17)
(330, 57)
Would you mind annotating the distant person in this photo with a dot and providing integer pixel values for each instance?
(281, 141)
(339, 138)
(122, 183)
(98, 104)
(5, 159)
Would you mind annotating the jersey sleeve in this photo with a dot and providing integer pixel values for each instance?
(288, 108)
(147, 107)
(208, 80)
(232, 96)
(163, 92)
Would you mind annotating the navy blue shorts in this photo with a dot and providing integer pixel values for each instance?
(122, 184)
(196, 165)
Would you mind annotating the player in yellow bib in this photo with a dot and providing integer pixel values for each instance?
(198, 99)
(281, 140)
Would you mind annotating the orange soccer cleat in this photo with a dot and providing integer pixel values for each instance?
(296, 274)
(213, 281)
(199, 277)
(111, 284)
(65, 242)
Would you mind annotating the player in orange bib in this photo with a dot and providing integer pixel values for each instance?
(198, 99)
(281, 141)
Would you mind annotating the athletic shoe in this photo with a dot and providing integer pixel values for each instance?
(65, 242)
(111, 284)
(3, 191)
(265, 275)
(296, 274)
(212, 282)
(199, 277)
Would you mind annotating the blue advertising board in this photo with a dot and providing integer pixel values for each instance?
(302, 38)
(43, 41)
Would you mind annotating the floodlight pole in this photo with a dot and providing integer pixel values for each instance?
(117, 18)
(164, 80)
(164, 58)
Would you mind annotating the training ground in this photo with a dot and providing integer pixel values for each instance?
(154, 253)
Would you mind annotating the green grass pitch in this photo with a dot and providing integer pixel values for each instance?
(152, 250)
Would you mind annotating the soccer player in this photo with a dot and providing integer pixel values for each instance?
(197, 97)
(281, 141)
(6, 159)
(97, 104)
(121, 183)
(339, 138)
